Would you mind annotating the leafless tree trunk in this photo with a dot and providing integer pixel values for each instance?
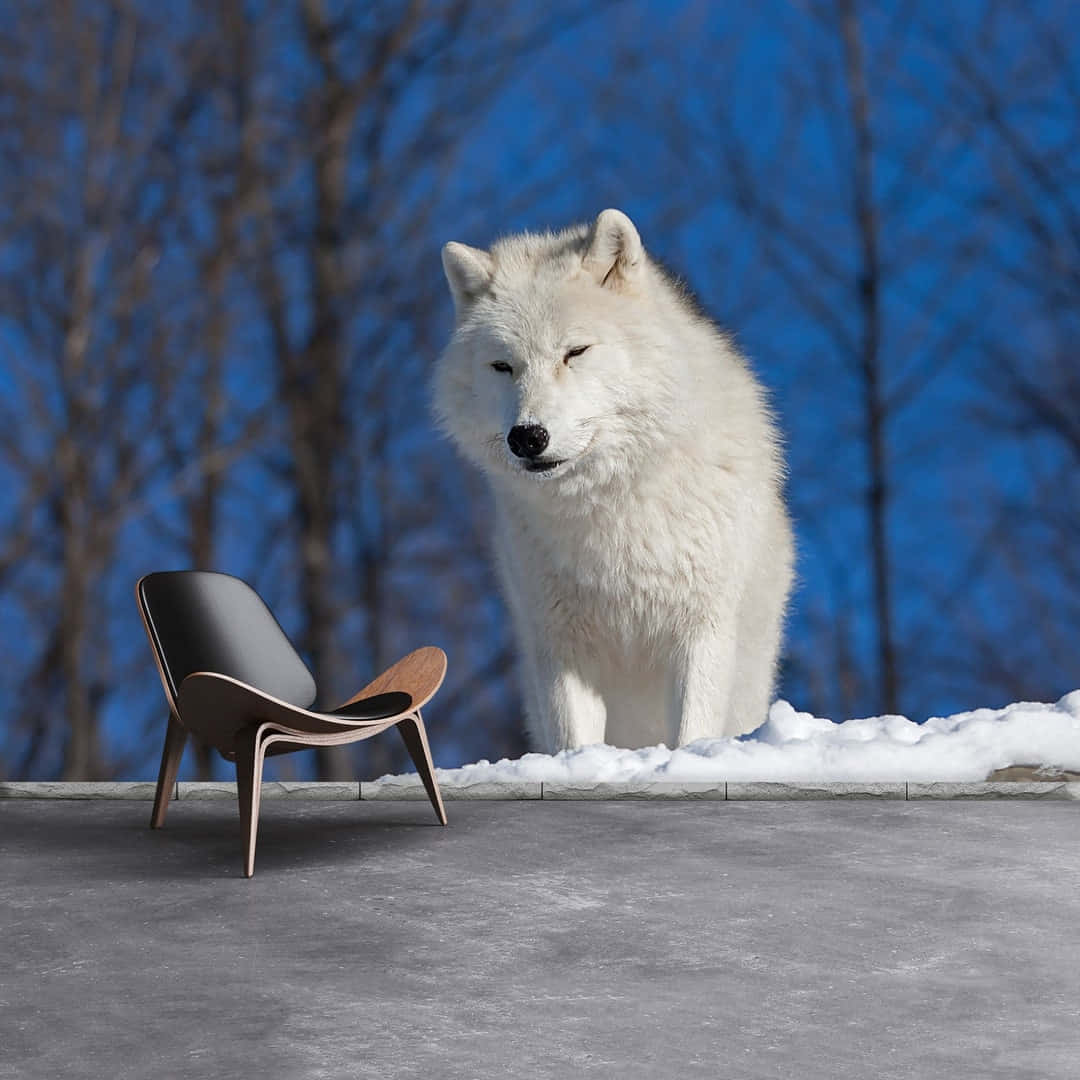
(870, 359)
(360, 242)
(84, 246)
(219, 264)
(826, 257)
(1021, 89)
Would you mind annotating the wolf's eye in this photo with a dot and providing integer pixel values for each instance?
(502, 365)
(571, 353)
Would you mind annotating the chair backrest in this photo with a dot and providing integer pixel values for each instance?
(203, 621)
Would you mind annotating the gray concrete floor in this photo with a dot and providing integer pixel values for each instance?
(542, 939)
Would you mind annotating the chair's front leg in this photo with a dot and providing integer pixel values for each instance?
(175, 741)
(249, 762)
(415, 738)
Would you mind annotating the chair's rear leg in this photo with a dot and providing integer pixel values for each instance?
(175, 741)
(415, 738)
(249, 759)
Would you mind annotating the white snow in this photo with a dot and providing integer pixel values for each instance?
(797, 747)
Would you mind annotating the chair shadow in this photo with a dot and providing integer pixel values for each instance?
(209, 842)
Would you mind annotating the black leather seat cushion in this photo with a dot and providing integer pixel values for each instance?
(378, 707)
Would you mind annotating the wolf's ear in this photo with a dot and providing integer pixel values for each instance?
(468, 270)
(615, 256)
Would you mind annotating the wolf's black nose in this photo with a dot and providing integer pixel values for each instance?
(527, 440)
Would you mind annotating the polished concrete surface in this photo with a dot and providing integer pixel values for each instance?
(545, 939)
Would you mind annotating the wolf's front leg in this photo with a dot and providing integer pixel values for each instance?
(703, 676)
(570, 711)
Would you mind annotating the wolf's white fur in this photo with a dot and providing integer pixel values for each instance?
(647, 575)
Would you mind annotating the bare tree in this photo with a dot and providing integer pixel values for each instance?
(84, 246)
(822, 216)
(211, 299)
(349, 382)
(1021, 92)
(870, 361)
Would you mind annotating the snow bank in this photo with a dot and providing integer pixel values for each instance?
(795, 746)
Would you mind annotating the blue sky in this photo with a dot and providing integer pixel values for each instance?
(678, 114)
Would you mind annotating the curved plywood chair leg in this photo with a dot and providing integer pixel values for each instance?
(249, 762)
(415, 738)
(175, 741)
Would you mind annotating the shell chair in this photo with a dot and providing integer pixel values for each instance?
(232, 677)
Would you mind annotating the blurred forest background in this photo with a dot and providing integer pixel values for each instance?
(221, 299)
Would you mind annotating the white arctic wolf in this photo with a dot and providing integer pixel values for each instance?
(640, 531)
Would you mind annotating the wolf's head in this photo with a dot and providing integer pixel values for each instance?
(558, 377)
